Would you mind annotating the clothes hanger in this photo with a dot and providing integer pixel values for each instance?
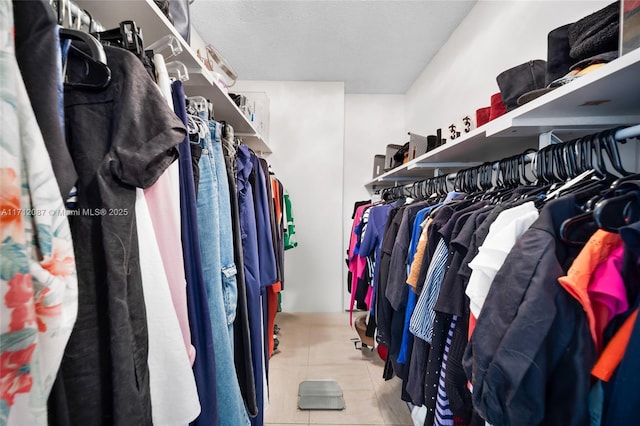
(126, 36)
(91, 69)
(601, 207)
(595, 175)
(611, 147)
(619, 207)
(508, 177)
(543, 182)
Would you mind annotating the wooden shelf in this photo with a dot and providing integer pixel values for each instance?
(604, 98)
(154, 26)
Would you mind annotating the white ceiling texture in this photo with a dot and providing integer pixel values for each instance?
(374, 46)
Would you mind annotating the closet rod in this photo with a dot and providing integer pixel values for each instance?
(629, 132)
(78, 13)
(528, 158)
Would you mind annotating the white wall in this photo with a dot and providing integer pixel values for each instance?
(371, 123)
(306, 136)
(495, 36)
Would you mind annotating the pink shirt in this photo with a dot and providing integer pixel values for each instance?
(357, 264)
(162, 200)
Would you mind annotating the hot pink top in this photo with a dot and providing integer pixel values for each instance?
(357, 264)
(607, 289)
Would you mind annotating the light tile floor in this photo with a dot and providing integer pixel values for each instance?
(318, 346)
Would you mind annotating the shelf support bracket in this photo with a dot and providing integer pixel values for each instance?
(548, 138)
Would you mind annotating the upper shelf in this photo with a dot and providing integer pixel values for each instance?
(154, 26)
(604, 98)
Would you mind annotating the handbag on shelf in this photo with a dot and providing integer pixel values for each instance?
(401, 156)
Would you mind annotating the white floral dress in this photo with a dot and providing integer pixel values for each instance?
(38, 285)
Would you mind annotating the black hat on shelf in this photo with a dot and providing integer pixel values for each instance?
(596, 33)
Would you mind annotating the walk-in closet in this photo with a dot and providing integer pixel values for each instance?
(419, 212)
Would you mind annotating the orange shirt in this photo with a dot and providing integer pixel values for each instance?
(614, 352)
(577, 280)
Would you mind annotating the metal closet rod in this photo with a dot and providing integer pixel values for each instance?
(629, 132)
(626, 133)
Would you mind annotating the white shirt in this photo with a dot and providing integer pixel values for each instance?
(503, 234)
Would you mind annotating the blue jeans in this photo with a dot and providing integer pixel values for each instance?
(231, 407)
(229, 285)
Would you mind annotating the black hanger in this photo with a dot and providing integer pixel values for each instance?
(619, 208)
(92, 70)
(97, 51)
(611, 148)
(607, 210)
(127, 36)
(543, 182)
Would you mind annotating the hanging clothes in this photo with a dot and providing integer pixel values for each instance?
(38, 278)
(228, 269)
(243, 356)
(201, 333)
(39, 58)
(107, 352)
(163, 200)
(290, 229)
(252, 274)
(516, 299)
(174, 397)
(231, 409)
(526, 285)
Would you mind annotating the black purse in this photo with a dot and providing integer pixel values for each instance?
(400, 155)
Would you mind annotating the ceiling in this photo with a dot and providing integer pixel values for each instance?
(374, 46)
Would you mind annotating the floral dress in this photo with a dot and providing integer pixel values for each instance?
(38, 285)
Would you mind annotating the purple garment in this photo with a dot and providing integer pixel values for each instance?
(266, 253)
(372, 240)
(249, 233)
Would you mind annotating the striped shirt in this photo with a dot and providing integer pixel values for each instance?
(444, 415)
(421, 324)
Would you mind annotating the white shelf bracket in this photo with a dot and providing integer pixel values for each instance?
(548, 138)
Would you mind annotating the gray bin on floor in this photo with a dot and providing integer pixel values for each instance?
(320, 395)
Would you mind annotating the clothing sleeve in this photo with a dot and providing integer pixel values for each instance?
(370, 235)
(146, 130)
(418, 258)
(266, 253)
(396, 291)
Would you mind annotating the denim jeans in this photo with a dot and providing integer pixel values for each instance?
(231, 407)
(229, 285)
